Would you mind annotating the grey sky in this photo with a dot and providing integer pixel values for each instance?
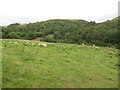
(26, 11)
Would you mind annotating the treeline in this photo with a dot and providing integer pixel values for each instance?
(67, 31)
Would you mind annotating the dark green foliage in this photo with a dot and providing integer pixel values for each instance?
(67, 31)
(14, 24)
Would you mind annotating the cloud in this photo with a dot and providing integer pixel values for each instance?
(9, 20)
(119, 8)
(25, 11)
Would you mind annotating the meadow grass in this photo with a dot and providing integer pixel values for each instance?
(58, 65)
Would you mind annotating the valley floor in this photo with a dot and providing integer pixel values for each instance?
(27, 65)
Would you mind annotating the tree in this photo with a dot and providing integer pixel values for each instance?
(13, 35)
(88, 37)
(57, 35)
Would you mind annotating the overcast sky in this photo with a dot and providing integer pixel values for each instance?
(26, 11)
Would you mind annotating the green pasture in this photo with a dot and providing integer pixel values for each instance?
(57, 65)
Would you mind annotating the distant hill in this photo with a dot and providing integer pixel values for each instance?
(67, 31)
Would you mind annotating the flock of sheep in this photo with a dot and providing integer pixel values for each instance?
(92, 45)
(28, 43)
(43, 44)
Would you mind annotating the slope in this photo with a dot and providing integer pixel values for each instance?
(58, 65)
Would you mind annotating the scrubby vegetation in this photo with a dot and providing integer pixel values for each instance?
(76, 54)
(67, 31)
(27, 65)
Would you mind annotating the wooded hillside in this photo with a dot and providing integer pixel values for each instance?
(67, 31)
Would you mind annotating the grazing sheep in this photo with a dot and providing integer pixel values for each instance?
(9, 42)
(93, 45)
(4, 41)
(38, 44)
(83, 44)
(33, 43)
(27, 42)
(15, 42)
(42, 45)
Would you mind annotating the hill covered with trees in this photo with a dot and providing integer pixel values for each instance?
(67, 31)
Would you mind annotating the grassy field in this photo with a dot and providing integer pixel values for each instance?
(58, 65)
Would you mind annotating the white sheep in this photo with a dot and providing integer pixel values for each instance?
(93, 45)
(42, 45)
(33, 43)
(83, 44)
(15, 42)
(27, 42)
(39, 44)
(9, 42)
